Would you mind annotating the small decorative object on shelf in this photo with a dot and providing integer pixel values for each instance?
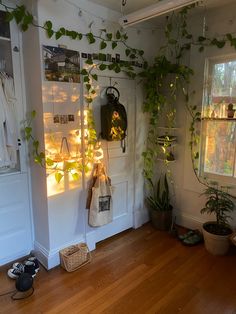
(230, 111)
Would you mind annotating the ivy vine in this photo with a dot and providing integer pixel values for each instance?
(166, 71)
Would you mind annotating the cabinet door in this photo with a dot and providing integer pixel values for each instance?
(15, 213)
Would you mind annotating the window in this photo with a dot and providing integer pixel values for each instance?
(218, 156)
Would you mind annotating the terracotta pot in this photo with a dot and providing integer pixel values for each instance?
(215, 244)
(161, 220)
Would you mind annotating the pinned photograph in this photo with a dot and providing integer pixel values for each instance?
(71, 118)
(61, 65)
(84, 55)
(63, 119)
(117, 57)
(56, 119)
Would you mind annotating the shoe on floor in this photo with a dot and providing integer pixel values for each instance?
(32, 259)
(28, 267)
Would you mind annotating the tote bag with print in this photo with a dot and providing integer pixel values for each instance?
(100, 212)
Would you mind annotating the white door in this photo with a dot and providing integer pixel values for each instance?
(120, 166)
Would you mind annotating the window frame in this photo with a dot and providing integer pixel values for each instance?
(222, 179)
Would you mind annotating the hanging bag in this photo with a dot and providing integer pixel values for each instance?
(113, 118)
(100, 212)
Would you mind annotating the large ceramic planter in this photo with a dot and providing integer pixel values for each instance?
(215, 244)
(161, 220)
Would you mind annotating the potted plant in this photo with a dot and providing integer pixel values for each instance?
(159, 204)
(216, 233)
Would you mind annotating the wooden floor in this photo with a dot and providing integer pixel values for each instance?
(138, 271)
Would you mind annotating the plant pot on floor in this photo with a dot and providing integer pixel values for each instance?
(161, 220)
(216, 244)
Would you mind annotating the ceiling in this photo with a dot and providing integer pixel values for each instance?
(133, 5)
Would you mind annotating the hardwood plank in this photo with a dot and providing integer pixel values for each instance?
(138, 271)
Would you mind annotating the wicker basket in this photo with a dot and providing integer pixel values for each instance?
(75, 256)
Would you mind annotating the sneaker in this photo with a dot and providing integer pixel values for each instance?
(35, 261)
(28, 267)
(31, 259)
(14, 273)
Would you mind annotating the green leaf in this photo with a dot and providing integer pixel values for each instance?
(89, 61)
(117, 69)
(58, 177)
(90, 38)
(127, 52)
(79, 36)
(62, 30)
(9, 17)
(58, 35)
(24, 27)
(36, 144)
(73, 34)
(88, 86)
(95, 77)
(111, 66)
(103, 45)
(75, 176)
(229, 37)
(48, 24)
(86, 79)
(84, 72)
(201, 38)
(28, 130)
(114, 45)
(49, 162)
(118, 35)
(50, 33)
(109, 36)
(102, 67)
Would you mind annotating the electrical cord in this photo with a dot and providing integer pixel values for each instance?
(6, 293)
(13, 296)
(24, 297)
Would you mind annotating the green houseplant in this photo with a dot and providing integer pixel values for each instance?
(159, 204)
(216, 233)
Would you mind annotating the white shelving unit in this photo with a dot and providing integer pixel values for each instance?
(15, 212)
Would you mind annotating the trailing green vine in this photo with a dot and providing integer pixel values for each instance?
(169, 71)
(25, 20)
(163, 80)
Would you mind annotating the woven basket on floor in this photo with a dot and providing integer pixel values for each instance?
(75, 256)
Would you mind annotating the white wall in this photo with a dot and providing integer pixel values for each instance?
(60, 219)
(219, 22)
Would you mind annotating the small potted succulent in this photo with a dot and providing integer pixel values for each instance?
(216, 233)
(159, 204)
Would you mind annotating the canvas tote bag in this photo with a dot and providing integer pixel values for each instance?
(100, 212)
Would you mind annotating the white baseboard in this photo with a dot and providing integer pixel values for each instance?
(189, 221)
(50, 259)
